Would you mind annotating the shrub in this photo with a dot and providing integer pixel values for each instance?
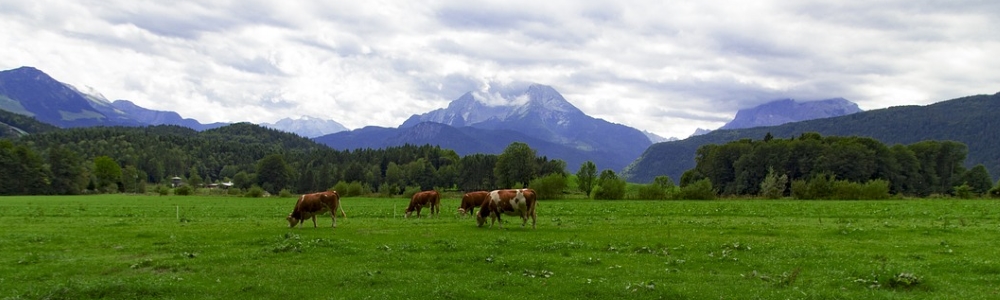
(355, 189)
(877, 189)
(388, 189)
(254, 192)
(773, 186)
(341, 188)
(285, 193)
(162, 190)
(410, 190)
(652, 192)
(963, 191)
(995, 191)
(549, 187)
(610, 190)
(698, 190)
(822, 187)
(184, 190)
(233, 191)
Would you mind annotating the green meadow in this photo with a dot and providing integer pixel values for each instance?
(213, 247)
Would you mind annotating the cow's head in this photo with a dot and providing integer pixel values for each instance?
(292, 221)
(408, 213)
(481, 216)
(461, 211)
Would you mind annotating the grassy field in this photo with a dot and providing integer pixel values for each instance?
(127, 246)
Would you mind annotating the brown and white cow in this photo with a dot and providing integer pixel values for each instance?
(312, 205)
(424, 199)
(517, 202)
(471, 200)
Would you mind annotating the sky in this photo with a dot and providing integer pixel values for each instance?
(668, 67)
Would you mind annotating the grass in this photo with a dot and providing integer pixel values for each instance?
(197, 247)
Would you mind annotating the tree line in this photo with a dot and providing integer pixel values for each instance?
(127, 159)
(756, 167)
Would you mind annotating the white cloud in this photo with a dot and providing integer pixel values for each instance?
(660, 66)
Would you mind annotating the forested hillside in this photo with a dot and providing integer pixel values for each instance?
(969, 120)
(14, 125)
(247, 154)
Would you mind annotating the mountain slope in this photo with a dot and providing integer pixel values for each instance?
(463, 140)
(540, 112)
(159, 117)
(971, 120)
(53, 102)
(307, 126)
(14, 125)
(786, 111)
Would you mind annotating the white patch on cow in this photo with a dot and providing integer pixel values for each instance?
(495, 197)
(519, 202)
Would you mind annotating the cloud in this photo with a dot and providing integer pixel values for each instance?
(666, 67)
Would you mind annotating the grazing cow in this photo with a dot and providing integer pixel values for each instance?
(312, 205)
(424, 199)
(472, 200)
(520, 202)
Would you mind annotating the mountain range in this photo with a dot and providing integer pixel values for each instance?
(969, 120)
(31, 92)
(787, 111)
(487, 122)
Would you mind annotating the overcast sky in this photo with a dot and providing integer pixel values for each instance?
(668, 67)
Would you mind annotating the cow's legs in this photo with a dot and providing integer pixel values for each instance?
(314, 221)
(534, 218)
(333, 214)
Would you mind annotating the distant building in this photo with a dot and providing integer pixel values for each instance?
(175, 182)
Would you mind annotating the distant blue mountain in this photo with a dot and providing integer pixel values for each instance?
(159, 117)
(30, 92)
(488, 121)
(307, 126)
(787, 111)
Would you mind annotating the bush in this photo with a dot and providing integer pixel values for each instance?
(355, 189)
(822, 187)
(233, 191)
(963, 191)
(285, 193)
(698, 190)
(652, 192)
(184, 190)
(388, 190)
(410, 191)
(773, 186)
(609, 186)
(162, 190)
(254, 192)
(995, 191)
(341, 188)
(549, 187)
(610, 190)
(877, 189)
